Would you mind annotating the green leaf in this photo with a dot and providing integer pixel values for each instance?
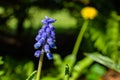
(49, 78)
(32, 76)
(57, 59)
(29, 67)
(106, 61)
(67, 72)
(95, 72)
(70, 60)
(98, 69)
(80, 66)
(99, 39)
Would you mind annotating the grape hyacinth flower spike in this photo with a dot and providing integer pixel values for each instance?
(45, 38)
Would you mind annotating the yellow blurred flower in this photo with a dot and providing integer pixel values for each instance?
(89, 12)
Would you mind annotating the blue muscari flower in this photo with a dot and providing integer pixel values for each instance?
(37, 53)
(49, 55)
(45, 38)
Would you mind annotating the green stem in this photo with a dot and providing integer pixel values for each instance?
(79, 38)
(40, 66)
(67, 72)
(66, 77)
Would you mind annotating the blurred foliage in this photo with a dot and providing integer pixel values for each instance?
(31, 18)
(95, 72)
(58, 73)
(108, 43)
(19, 15)
(16, 70)
(1, 63)
(105, 40)
(64, 21)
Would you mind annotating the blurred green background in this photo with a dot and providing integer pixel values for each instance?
(21, 19)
